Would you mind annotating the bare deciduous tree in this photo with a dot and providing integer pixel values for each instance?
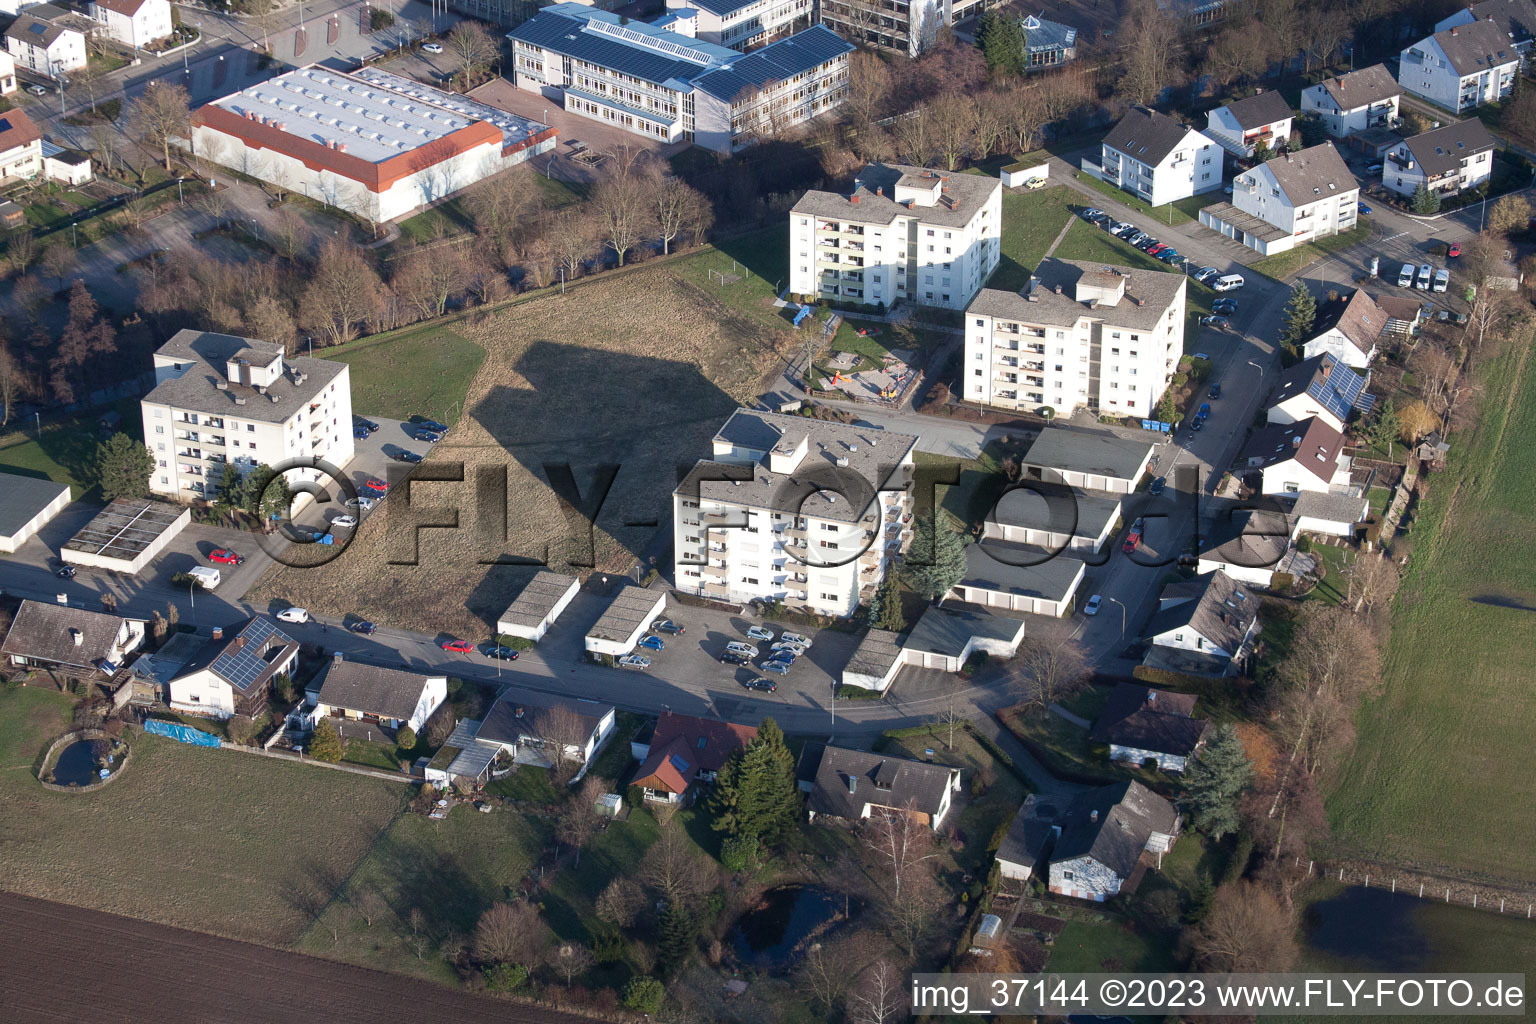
(20, 250)
(579, 820)
(869, 89)
(159, 115)
(675, 201)
(914, 136)
(571, 239)
(104, 145)
(1372, 579)
(624, 208)
(512, 933)
(427, 278)
(620, 902)
(504, 206)
(13, 383)
(953, 116)
(672, 868)
(1247, 929)
(900, 841)
(473, 47)
(343, 292)
(571, 959)
(1151, 52)
(879, 998)
(1049, 673)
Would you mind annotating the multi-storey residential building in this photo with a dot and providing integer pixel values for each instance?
(1157, 159)
(672, 87)
(223, 403)
(907, 26)
(47, 41)
(1461, 68)
(1515, 18)
(1241, 127)
(739, 24)
(804, 511)
(1289, 200)
(1352, 103)
(133, 23)
(904, 234)
(1080, 335)
(1447, 160)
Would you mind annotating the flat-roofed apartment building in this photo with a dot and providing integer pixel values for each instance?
(904, 234)
(808, 512)
(223, 402)
(369, 142)
(738, 24)
(672, 87)
(1080, 335)
(907, 26)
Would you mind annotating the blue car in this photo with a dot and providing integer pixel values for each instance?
(781, 657)
(1365, 211)
(360, 432)
(652, 641)
(433, 425)
(1157, 486)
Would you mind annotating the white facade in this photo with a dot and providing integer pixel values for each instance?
(1305, 202)
(1291, 477)
(1222, 126)
(1332, 342)
(1158, 171)
(1354, 102)
(1188, 638)
(21, 161)
(46, 508)
(55, 50)
(1257, 576)
(134, 23)
(538, 606)
(1136, 755)
(909, 28)
(739, 26)
(7, 73)
(1302, 406)
(1461, 68)
(1440, 166)
(910, 236)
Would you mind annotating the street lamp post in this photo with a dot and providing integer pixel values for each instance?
(1122, 612)
(1256, 366)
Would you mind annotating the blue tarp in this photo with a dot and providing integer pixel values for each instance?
(805, 311)
(184, 733)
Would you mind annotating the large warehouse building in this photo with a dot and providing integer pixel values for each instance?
(372, 143)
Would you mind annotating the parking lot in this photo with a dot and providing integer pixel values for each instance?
(374, 458)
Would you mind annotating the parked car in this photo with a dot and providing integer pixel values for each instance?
(1158, 486)
(1205, 410)
(1088, 214)
(360, 432)
(1364, 211)
(732, 658)
(635, 662)
(1153, 250)
(1226, 307)
(759, 633)
(433, 425)
(1442, 280)
(361, 626)
(66, 572)
(1136, 237)
(376, 485)
(224, 556)
(778, 668)
(1196, 424)
(428, 436)
(759, 683)
(404, 456)
(1375, 169)
(1170, 256)
(344, 523)
(458, 646)
(1123, 229)
(1132, 542)
(1215, 391)
(1100, 218)
(1092, 607)
(1405, 276)
(294, 615)
(1228, 283)
(432, 47)
(794, 649)
(37, 90)
(499, 652)
(652, 641)
(1146, 243)
(1453, 252)
(783, 657)
(668, 626)
(366, 424)
(360, 504)
(1034, 183)
(1426, 277)
(1206, 275)
(796, 638)
(745, 650)
(1214, 320)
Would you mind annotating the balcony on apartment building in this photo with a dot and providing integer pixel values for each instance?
(717, 589)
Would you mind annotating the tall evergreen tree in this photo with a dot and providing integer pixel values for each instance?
(1300, 316)
(123, 466)
(755, 792)
(325, 744)
(1214, 784)
(678, 932)
(885, 606)
(1386, 428)
(936, 560)
(1425, 200)
(1002, 41)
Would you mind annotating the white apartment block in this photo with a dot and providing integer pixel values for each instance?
(904, 234)
(739, 24)
(804, 511)
(1241, 127)
(133, 23)
(1461, 68)
(906, 26)
(1287, 201)
(1157, 159)
(1351, 103)
(671, 87)
(223, 403)
(42, 41)
(1515, 18)
(1447, 160)
(1080, 336)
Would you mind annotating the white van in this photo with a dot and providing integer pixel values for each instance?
(1405, 276)
(1442, 280)
(206, 576)
(1228, 282)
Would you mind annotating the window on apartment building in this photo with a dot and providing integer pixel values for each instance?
(877, 279)
(981, 323)
(251, 427)
(1114, 351)
(930, 232)
(946, 234)
(691, 572)
(1133, 353)
(946, 297)
(1114, 384)
(927, 279)
(1058, 367)
(948, 252)
(162, 463)
(928, 296)
(159, 430)
(1130, 387)
(163, 480)
(829, 597)
(160, 446)
(749, 579)
(978, 372)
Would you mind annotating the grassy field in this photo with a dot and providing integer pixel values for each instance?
(215, 841)
(1285, 264)
(452, 218)
(66, 452)
(637, 369)
(419, 372)
(1458, 707)
(1031, 222)
(1168, 213)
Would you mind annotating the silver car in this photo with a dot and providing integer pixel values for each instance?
(745, 650)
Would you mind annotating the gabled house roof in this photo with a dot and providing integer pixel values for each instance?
(246, 658)
(386, 692)
(1213, 604)
(1480, 46)
(1028, 836)
(1312, 174)
(1328, 381)
(49, 632)
(1361, 322)
(1441, 150)
(1146, 135)
(1148, 719)
(1515, 18)
(31, 28)
(1362, 88)
(1330, 508)
(845, 781)
(1246, 537)
(1260, 109)
(1112, 824)
(17, 130)
(1310, 443)
(682, 746)
(518, 715)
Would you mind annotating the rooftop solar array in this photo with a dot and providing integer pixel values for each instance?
(1339, 391)
(125, 528)
(242, 664)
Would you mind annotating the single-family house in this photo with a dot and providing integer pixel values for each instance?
(1249, 545)
(1203, 626)
(1515, 18)
(1355, 102)
(1322, 386)
(1047, 44)
(77, 643)
(1462, 67)
(1027, 842)
(1020, 578)
(850, 785)
(1288, 458)
(1447, 160)
(683, 754)
(1288, 200)
(1241, 127)
(233, 671)
(536, 730)
(46, 41)
(1158, 159)
(1054, 516)
(135, 23)
(390, 697)
(1109, 837)
(1404, 314)
(1150, 727)
(1331, 515)
(21, 146)
(1351, 333)
(27, 503)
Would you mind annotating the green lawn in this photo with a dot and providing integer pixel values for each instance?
(1379, 498)
(1031, 222)
(421, 371)
(1168, 213)
(760, 259)
(978, 483)
(1285, 264)
(1063, 746)
(66, 453)
(1108, 945)
(1332, 588)
(1452, 726)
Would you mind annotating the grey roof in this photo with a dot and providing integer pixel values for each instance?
(1311, 174)
(1148, 294)
(876, 653)
(874, 457)
(126, 527)
(1056, 508)
(1335, 386)
(246, 658)
(1260, 109)
(1128, 814)
(1147, 135)
(1241, 221)
(1028, 836)
(209, 353)
(538, 598)
(1441, 150)
(1362, 88)
(386, 692)
(627, 610)
(1360, 320)
(967, 192)
(1041, 34)
(1096, 452)
(1020, 569)
(1480, 46)
(776, 62)
(1310, 442)
(1148, 719)
(519, 714)
(1515, 18)
(1214, 605)
(946, 629)
(1250, 538)
(23, 497)
(46, 632)
(877, 779)
(30, 28)
(166, 663)
(1331, 508)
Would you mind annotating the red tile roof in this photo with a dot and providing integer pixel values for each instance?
(682, 746)
(17, 130)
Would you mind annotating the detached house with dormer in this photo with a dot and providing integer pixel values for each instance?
(1462, 67)
(1288, 201)
(1515, 18)
(1158, 159)
(682, 754)
(1289, 458)
(1146, 726)
(848, 786)
(1241, 127)
(1108, 839)
(1322, 386)
(1355, 102)
(1204, 626)
(1353, 334)
(1447, 160)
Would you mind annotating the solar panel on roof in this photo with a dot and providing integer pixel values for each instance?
(678, 762)
(241, 665)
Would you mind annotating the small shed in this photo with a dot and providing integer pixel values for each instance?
(11, 215)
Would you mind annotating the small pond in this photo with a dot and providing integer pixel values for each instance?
(1370, 929)
(78, 764)
(772, 934)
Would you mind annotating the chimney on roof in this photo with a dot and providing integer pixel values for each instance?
(519, 711)
(1093, 815)
(336, 658)
(1058, 289)
(879, 190)
(77, 636)
(239, 642)
(218, 632)
(1453, 31)
(1151, 696)
(853, 199)
(1296, 441)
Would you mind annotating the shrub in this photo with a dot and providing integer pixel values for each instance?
(282, 685)
(1282, 582)
(643, 995)
(405, 737)
(240, 729)
(738, 853)
(505, 977)
(1304, 544)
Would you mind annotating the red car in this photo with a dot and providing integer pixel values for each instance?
(224, 556)
(373, 483)
(1131, 543)
(1453, 251)
(461, 646)
(1153, 250)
